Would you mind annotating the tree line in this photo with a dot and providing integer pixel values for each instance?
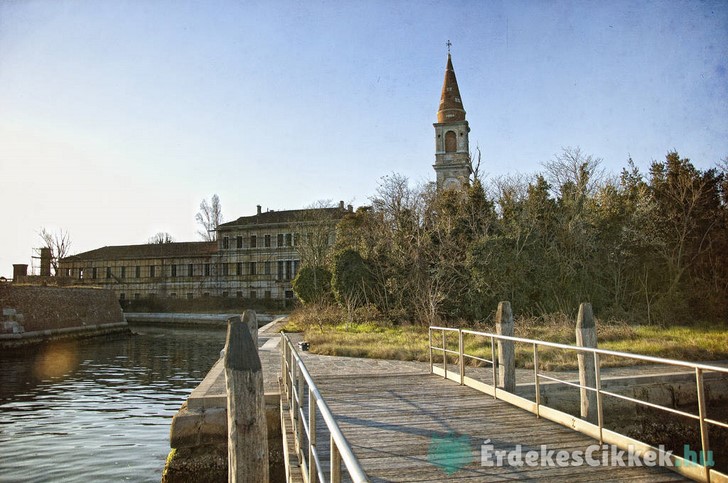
(643, 247)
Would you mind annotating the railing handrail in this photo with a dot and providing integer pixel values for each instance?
(698, 369)
(543, 343)
(342, 445)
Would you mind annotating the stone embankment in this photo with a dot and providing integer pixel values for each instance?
(33, 315)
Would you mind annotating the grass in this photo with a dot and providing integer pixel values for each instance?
(371, 336)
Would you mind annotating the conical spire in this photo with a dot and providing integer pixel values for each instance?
(451, 106)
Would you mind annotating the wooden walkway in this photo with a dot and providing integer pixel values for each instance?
(402, 425)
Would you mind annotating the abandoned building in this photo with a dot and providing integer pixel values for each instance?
(254, 257)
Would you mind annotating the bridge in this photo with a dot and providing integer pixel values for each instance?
(348, 419)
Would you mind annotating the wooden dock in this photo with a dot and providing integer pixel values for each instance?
(404, 427)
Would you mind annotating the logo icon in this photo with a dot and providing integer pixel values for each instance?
(450, 453)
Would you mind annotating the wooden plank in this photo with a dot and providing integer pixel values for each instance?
(390, 422)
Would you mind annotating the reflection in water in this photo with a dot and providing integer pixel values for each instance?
(98, 410)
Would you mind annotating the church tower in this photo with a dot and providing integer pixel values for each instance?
(452, 152)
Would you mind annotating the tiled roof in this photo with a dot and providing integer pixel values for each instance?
(156, 250)
(287, 216)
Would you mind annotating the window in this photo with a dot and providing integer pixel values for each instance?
(137, 296)
(151, 270)
(239, 268)
(174, 270)
(267, 294)
(206, 294)
(450, 142)
(239, 241)
(289, 239)
(296, 239)
(207, 270)
(69, 272)
(289, 294)
(189, 296)
(296, 263)
(225, 242)
(252, 268)
(267, 268)
(225, 268)
(280, 240)
(173, 295)
(122, 296)
(280, 270)
(80, 273)
(253, 294)
(137, 271)
(267, 241)
(151, 295)
(253, 241)
(224, 294)
(108, 272)
(93, 272)
(123, 272)
(190, 270)
(239, 295)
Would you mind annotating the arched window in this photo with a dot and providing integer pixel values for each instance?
(450, 142)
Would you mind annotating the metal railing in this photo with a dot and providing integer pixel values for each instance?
(303, 416)
(688, 468)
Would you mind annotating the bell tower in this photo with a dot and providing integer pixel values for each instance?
(452, 151)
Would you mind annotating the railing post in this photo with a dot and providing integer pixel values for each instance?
(299, 408)
(311, 436)
(246, 422)
(536, 383)
(586, 336)
(429, 336)
(704, 440)
(506, 348)
(444, 352)
(462, 358)
(495, 366)
(335, 461)
(600, 407)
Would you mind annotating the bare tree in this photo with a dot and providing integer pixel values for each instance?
(316, 224)
(210, 217)
(160, 238)
(584, 171)
(59, 243)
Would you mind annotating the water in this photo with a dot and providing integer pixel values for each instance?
(99, 410)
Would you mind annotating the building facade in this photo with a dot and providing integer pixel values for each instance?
(254, 257)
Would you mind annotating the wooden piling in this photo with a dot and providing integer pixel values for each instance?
(586, 336)
(506, 348)
(247, 430)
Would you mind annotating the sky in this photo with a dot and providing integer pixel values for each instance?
(118, 118)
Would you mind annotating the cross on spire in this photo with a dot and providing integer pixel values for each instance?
(448, 46)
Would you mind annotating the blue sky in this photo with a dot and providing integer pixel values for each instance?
(118, 118)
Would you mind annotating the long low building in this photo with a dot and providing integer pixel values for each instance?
(254, 257)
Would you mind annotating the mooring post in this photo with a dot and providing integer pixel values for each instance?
(506, 349)
(586, 336)
(251, 320)
(247, 430)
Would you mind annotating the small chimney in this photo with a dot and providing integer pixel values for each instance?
(341, 205)
(19, 270)
(259, 209)
(45, 262)
(350, 208)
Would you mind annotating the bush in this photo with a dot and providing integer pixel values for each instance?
(312, 285)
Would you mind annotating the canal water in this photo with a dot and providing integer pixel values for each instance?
(99, 410)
